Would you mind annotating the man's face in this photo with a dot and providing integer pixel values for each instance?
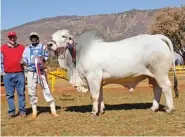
(34, 39)
(12, 38)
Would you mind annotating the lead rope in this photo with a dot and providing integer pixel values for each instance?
(74, 64)
(38, 62)
(74, 74)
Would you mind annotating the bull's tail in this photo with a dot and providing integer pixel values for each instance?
(170, 45)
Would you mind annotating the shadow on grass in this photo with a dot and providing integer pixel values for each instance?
(41, 110)
(87, 108)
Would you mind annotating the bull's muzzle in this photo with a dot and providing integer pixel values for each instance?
(49, 45)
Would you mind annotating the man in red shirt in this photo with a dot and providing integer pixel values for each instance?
(14, 74)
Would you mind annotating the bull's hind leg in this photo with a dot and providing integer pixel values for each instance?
(101, 103)
(157, 96)
(166, 86)
(94, 83)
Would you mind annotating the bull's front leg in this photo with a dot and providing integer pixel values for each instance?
(98, 104)
(80, 84)
(94, 82)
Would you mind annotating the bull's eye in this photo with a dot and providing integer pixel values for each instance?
(63, 36)
(54, 42)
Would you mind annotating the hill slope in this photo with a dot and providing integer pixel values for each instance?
(114, 26)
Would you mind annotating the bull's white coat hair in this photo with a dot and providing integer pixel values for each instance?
(126, 62)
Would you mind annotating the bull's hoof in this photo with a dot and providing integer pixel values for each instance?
(84, 90)
(34, 116)
(154, 109)
(54, 115)
(170, 111)
(78, 89)
(102, 111)
(94, 113)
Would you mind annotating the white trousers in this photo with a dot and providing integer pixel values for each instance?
(32, 81)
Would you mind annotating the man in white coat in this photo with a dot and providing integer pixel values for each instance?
(33, 57)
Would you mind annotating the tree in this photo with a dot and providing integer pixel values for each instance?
(171, 23)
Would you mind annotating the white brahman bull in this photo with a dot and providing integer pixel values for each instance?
(125, 62)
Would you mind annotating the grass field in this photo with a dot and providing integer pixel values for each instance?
(126, 114)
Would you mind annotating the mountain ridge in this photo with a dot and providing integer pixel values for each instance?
(115, 26)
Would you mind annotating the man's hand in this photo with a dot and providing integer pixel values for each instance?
(3, 73)
(22, 62)
(42, 58)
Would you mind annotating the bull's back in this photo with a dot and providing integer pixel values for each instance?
(127, 57)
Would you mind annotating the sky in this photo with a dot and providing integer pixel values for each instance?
(18, 12)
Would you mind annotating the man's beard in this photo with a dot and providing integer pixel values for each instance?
(35, 43)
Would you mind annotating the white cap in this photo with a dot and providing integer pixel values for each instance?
(34, 33)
